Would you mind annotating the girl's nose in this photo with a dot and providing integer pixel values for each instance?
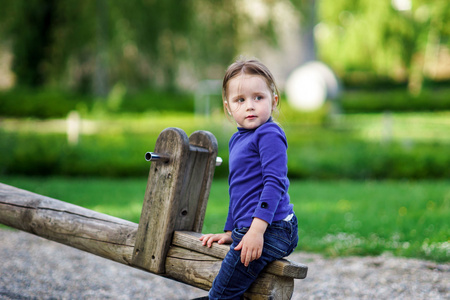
(250, 105)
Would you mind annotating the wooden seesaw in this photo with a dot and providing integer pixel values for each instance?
(165, 242)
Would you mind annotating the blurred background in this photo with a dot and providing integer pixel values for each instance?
(350, 66)
(87, 86)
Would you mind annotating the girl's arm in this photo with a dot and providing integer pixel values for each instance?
(251, 245)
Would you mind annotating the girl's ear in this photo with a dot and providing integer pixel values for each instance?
(275, 101)
(226, 106)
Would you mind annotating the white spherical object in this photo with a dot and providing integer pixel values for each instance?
(310, 85)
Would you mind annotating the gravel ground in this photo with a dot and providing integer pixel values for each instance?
(35, 268)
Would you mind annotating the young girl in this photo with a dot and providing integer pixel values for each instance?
(261, 225)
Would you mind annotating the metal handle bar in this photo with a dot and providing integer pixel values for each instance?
(151, 156)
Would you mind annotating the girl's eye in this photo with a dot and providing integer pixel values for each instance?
(258, 98)
(240, 100)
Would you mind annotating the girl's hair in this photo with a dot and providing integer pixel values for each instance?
(249, 67)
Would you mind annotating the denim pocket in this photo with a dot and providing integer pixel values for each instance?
(281, 238)
(237, 235)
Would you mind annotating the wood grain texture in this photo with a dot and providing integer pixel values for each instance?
(208, 141)
(192, 188)
(199, 270)
(282, 267)
(161, 202)
(69, 224)
(177, 194)
(191, 267)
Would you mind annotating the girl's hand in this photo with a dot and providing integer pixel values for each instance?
(220, 238)
(251, 247)
(252, 243)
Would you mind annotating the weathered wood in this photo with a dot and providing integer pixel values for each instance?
(191, 191)
(161, 202)
(199, 172)
(69, 224)
(190, 240)
(282, 267)
(199, 270)
(269, 287)
(191, 267)
(177, 193)
(206, 140)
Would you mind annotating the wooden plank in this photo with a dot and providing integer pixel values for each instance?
(191, 267)
(161, 202)
(199, 270)
(176, 195)
(192, 188)
(204, 176)
(69, 224)
(268, 287)
(282, 267)
(190, 240)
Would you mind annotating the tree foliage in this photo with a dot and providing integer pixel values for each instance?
(90, 46)
(380, 39)
(138, 43)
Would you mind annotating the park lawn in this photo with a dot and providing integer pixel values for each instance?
(405, 218)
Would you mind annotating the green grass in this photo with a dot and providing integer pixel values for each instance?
(117, 197)
(406, 218)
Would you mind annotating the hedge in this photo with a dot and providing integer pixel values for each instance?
(122, 155)
(44, 104)
(368, 101)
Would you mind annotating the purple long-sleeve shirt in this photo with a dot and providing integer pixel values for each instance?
(258, 182)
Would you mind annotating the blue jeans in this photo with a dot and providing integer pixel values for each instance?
(280, 239)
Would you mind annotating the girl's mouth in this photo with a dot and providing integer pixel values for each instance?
(251, 117)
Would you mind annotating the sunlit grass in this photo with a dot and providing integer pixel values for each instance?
(404, 127)
(417, 126)
(148, 123)
(407, 218)
(121, 198)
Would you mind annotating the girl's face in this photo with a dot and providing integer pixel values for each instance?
(249, 100)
